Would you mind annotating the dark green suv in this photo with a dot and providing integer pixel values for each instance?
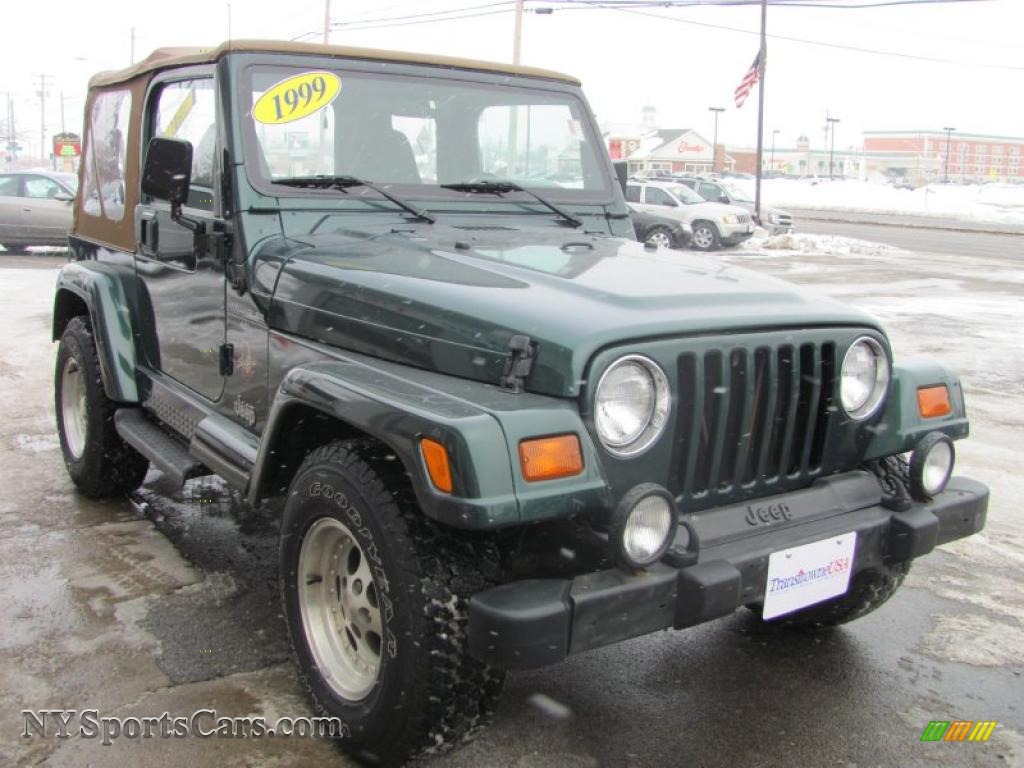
(396, 301)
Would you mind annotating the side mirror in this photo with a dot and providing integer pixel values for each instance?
(63, 197)
(723, 198)
(167, 173)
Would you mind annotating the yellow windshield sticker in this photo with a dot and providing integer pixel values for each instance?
(296, 97)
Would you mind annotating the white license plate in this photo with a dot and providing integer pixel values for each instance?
(808, 574)
(750, 228)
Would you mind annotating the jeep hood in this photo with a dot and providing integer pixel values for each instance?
(450, 298)
(712, 210)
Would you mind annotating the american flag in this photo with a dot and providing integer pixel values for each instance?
(749, 79)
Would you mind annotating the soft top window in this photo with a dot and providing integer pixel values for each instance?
(106, 147)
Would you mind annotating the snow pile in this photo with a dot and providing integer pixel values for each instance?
(826, 245)
(994, 203)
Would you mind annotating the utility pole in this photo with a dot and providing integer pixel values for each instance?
(327, 22)
(771, 163)
(949, 131)
(714, 143)
(513, 112)
(760, 111)
(42, 93)
(517, 34)
(832, 148)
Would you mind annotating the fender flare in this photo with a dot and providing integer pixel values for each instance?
(901, 425)
(479, 425)
(102, 289)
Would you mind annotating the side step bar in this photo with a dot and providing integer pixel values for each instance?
(170, 457)
(227, 448)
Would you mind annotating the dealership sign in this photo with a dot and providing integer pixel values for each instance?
(67, 145)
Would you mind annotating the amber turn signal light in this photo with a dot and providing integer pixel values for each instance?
(435, 456)
(547, 458)
(933, 401)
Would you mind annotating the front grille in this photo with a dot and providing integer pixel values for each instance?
(744, 218)
(784, 221)
(752, 420)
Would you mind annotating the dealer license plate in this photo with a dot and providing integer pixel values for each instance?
(808, 574)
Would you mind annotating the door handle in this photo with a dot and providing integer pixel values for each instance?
(149, 232)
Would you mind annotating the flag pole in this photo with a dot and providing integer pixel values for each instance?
(760, 112)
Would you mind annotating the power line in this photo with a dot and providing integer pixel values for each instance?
(838, 4)
(634, 6)
(818, 43)
(413, 19)
(424, 15)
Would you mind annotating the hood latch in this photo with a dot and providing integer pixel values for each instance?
(519, 363)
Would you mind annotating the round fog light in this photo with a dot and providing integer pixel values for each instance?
(931, 465)
(642, 526)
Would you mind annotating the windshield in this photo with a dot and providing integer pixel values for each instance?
(69, 180)
(737, 193)
(685, 195)
(415, 134)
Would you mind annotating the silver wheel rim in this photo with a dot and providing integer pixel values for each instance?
(72, 407)
(702, 237)
(340, 609)
(660, 239)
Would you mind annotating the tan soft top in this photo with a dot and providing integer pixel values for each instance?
(163, 58)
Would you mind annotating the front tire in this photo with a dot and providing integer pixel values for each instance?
(869, 590)
(376, 602)
(100, 463)
(705, 236)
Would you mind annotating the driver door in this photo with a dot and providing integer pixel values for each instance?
(184, 287)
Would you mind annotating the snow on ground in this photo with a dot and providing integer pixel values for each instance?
(826, 245)
(993, 203)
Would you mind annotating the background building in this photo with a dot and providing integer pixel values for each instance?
(921, 155)
(801, 160)
(667, 150)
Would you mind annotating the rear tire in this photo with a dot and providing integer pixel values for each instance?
(705, 236)
(660, 237)
(100, 463)
(395, 671)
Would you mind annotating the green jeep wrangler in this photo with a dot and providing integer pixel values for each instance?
(396, 301)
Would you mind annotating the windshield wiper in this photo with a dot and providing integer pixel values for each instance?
(342, 183)
(500, 186)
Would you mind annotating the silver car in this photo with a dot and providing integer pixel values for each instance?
(713, 224)
(35, 208)
(775, 220)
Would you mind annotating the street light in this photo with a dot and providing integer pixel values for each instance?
(832, 148)
(714, 149)
(771, 164)
(945, 175)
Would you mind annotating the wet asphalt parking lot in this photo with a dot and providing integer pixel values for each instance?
(171, 604)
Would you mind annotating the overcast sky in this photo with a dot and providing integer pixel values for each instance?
(625, 60)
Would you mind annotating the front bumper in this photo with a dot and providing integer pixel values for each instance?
(537, 622)
(732, 234)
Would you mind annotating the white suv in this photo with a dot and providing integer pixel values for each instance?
(714, 224)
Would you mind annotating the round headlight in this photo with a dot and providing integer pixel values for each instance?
(643, 526)
(931, 465)
(631, 405)
(865, 378)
